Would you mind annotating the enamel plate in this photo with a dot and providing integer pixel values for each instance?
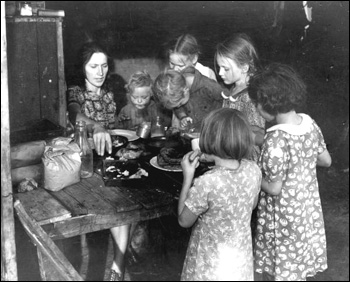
(155, 164)
(131, 135)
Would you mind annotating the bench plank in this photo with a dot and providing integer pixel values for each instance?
(42, 206)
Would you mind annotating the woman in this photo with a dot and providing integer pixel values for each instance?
(91, 102)
(94, 104)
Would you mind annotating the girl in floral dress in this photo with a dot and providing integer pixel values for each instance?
(290, 241)
(220, 202)
(237, 60)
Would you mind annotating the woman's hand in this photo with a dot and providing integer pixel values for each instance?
(189, 163)
(102, 140)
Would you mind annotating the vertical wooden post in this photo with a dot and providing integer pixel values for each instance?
(8, 246)
(62, 88)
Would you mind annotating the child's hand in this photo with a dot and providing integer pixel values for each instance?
(122, 118)
(186, 121)
(189, 163)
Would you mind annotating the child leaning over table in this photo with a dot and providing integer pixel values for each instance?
(220, 202)
(290, 240)
(190, 95)
(140, 107)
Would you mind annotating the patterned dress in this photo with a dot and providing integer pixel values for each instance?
(242, 102)
(100, 108)
(290, 241)
(220, 246)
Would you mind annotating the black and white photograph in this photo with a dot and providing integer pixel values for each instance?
(175, 141)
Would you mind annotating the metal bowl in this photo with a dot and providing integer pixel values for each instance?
(157, 142)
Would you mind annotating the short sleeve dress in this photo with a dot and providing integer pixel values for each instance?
(100, 108)
(220, 246)
(242, 102)
(290, 241)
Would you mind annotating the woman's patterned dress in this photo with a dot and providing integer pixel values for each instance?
(220, 246)
(100, 108)
(290, 241)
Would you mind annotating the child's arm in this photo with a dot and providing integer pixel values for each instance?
(258, 135)
(324, 159)
(182, 116)
(189, 163)
(273, 188)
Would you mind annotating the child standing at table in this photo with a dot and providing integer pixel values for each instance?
(290, 241)
(221, 201)
(183, 52)
(237, 60)
(140, 107)
(189, 94)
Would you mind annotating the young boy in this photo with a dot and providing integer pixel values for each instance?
(140, 107)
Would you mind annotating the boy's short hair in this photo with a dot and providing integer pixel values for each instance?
(138, 79)
(278, 89)
(226, 133)
(169, 86)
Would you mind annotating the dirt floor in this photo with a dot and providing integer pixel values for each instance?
(320, 53)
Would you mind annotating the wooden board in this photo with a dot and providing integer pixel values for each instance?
(90, 223)
(142, 191)
(90, 196)
(42, 207)
(81, 200)
(118, 200)
(53, 265)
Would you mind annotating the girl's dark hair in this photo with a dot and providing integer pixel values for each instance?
(226, 133)
(278, 89)
(239, 48)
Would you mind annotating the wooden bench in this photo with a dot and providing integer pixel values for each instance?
(53, 265)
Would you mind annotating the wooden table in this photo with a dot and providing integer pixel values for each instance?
(93, 205)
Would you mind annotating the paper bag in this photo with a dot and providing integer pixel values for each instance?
(62, 164)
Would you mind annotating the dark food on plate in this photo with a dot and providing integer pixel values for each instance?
(170, 158)
(118, 141)
(130, 152)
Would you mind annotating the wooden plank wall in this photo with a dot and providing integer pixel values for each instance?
(8, 245)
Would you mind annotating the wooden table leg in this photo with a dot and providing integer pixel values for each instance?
(85, 255)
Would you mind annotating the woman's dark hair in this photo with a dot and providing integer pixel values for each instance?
(278, 89)
(85, 54)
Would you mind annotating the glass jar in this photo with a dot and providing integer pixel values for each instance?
(80, 137)
(144, 129)
(157, 129)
